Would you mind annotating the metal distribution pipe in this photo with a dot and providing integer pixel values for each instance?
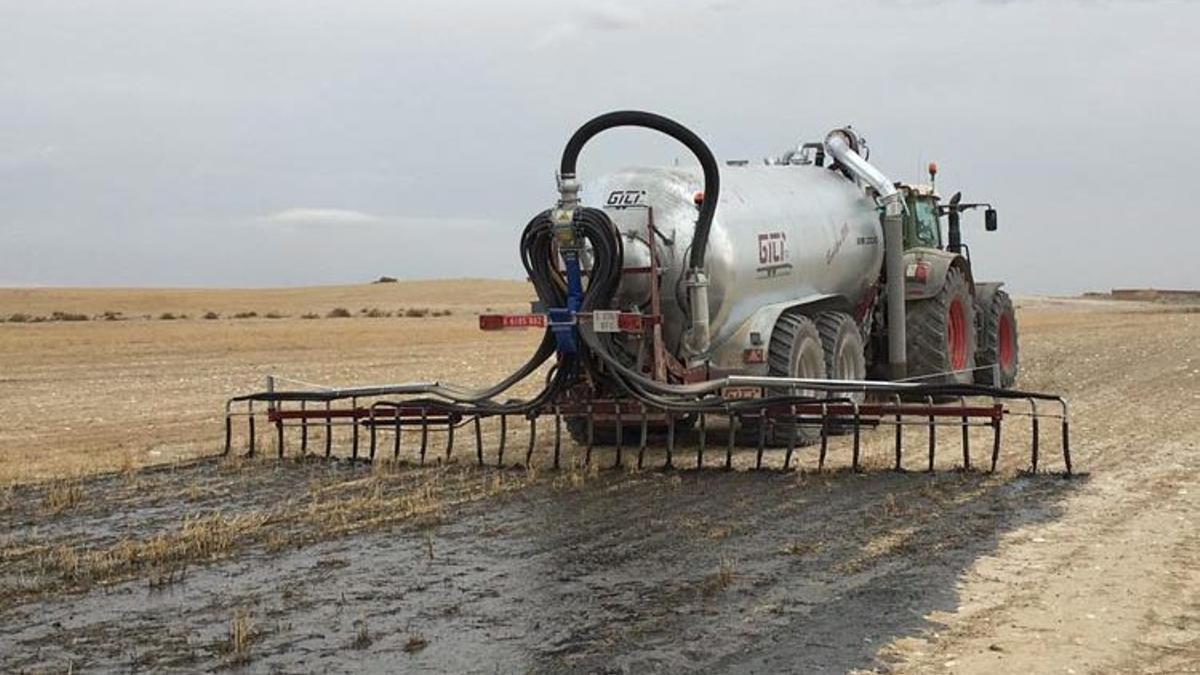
(840, 145)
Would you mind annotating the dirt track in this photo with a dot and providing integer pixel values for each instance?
(341, 568)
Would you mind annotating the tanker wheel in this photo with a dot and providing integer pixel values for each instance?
(845, 355)
(941, 333)
(796, 350)
(998, 342)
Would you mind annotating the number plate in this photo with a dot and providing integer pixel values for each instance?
(741, 393)
(606, 321)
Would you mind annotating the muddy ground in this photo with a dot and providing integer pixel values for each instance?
(311, 566)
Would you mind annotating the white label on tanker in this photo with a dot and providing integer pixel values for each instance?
(606, 321)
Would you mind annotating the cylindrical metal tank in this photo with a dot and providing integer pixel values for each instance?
(781, 233)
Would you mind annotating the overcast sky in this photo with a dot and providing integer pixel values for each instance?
(240, 143)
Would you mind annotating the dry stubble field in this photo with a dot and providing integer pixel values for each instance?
(125, 545)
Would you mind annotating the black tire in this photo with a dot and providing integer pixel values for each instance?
(796, 350)
(845, 354)
(941, 333)
(998, 343)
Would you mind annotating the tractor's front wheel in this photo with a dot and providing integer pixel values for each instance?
(998, 342)
(941, 333)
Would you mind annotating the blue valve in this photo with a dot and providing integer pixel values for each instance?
(563, 319)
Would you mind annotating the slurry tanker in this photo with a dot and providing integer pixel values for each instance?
(769, 304)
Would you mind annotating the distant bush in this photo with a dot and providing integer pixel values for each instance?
(310, 315)
(442, 312)
(338, 313)
(68, 316)
(376, 313)
(112, 316)
(275, 315)
(38, 319)
(245, 315)
(211, 316)
(385, 280)
(19, 318)
(416, 313)
(167, 316)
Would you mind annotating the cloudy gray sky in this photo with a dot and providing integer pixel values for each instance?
(232, 143)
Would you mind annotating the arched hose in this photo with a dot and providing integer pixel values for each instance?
(637, 118)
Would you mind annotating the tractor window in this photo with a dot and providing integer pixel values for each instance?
(924, 231)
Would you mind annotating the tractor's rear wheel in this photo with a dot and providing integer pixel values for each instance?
(998, 342)
(941, 333)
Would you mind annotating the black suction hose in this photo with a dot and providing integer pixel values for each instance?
(637, 118)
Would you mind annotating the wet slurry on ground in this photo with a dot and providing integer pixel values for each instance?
(609, 572)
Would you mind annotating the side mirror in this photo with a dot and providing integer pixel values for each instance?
(989, 220)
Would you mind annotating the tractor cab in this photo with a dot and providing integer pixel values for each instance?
(923, 212)
(922, 228)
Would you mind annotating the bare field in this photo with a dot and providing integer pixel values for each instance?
(297, 566)
(103, 395)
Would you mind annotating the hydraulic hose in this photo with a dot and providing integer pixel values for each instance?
(637, 118)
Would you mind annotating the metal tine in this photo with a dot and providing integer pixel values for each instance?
(279, 430)
(532, 439)
(670, 440)
(620, 440)
(733, 424)
(1035, 432)
(703, 439)
(450, 420)
(966, 435)
(250, 418)
(1066, 437)
(503, 441)
(899, 434)
(791, 447)
(328, 430)
(303, 429)
(371, 417)
(228, 427)
(995, 439)
(354, 422)
(762, 438)
(856, 451)
(645, 428)
(479, 440)
(824, 436)
(591, 431)
(424, 433)
(396, 440)
(932, 431)
(557, 434)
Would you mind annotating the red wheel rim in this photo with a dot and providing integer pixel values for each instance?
(956, 335)
(1004, 336)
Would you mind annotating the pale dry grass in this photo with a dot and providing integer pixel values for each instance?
(62, 495)
(198, 538)
(241, 635)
